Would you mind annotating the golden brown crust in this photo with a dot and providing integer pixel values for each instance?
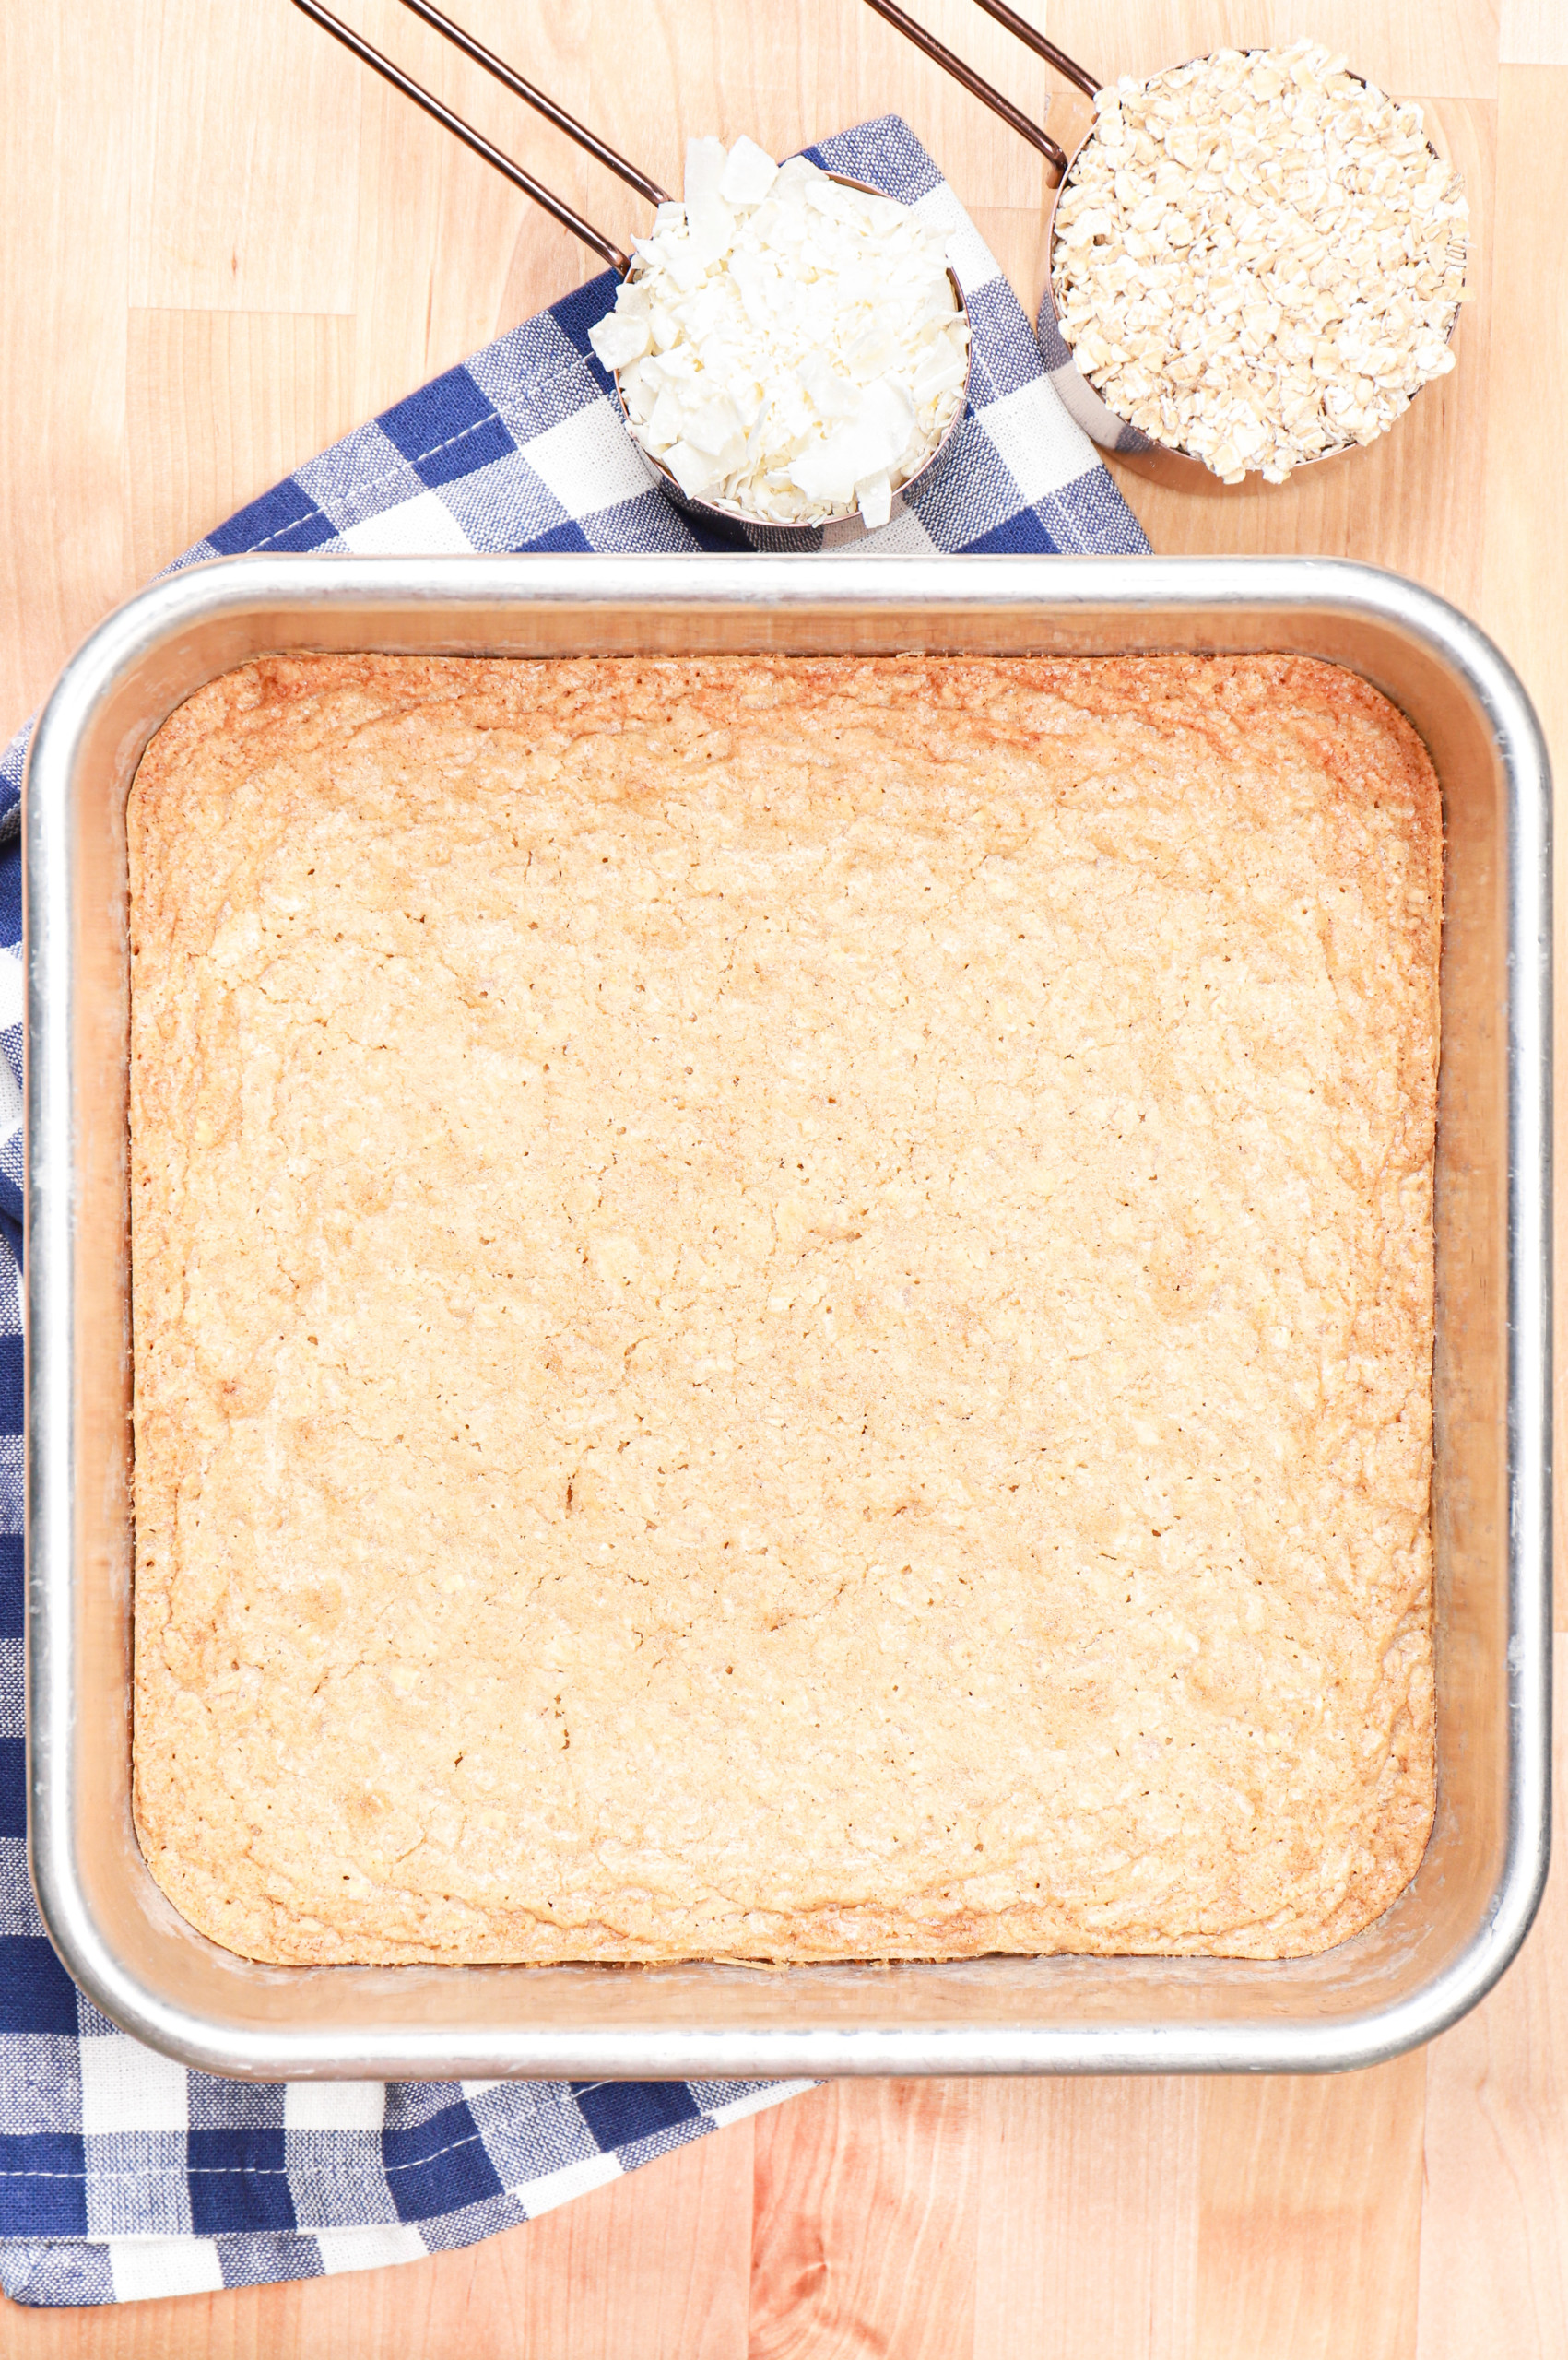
(782, 1307)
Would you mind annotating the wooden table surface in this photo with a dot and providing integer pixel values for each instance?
(223, 245)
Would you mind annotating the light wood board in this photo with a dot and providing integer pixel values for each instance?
(224, 245)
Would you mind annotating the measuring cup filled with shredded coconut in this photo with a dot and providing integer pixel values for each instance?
(790, 348)
(1257, 261)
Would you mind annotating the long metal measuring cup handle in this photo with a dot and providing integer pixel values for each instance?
(436, 18)
(1067, 67)
(988, 95)
(555, 205)
(497, 67)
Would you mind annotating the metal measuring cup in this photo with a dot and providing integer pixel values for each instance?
(1080, 397)
(729, 517)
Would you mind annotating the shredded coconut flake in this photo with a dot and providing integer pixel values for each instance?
(1259, 259)
(786, 346)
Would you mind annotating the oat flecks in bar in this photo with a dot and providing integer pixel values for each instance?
(783, 1306)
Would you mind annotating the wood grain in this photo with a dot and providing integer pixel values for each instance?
(222, 246)
(1495, 2243)
(65, 550)
(1440, 49)
(1532, 32)
(1310, 2216)
(1089, 2220)
(865, 2223)
(272, 387)
(622, 2276)
(237, 201)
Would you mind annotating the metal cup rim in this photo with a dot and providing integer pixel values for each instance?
(1172, 454)
(724, 512)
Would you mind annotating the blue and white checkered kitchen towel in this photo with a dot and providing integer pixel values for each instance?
(121, 2174)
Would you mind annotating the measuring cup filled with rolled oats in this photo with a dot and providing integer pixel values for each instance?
(1258, 260)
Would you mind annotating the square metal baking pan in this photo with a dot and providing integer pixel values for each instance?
(1446, 1939)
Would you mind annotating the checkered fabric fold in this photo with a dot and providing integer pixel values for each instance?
(122, 2175)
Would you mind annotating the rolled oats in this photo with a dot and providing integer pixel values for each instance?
(1259, 259)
